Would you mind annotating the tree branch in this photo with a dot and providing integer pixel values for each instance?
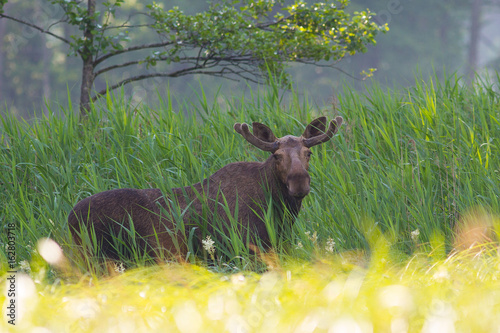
(332, 66)
(42, 30)
(136, 62)
(208, 62)
(125, 24)
(126, 64)
(133, 79)
(130, 49)
(54, 24)
(224, 72)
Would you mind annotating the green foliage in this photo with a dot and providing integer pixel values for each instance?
(2, 4)
(97, 23)
(262, 32)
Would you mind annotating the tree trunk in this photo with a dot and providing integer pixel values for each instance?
(475, 28)
(45, 61)
(88, 63)
(46, 82)
(87, 82)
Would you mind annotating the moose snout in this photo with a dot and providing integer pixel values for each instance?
(298, 185)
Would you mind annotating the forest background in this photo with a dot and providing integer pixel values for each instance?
(426, 37)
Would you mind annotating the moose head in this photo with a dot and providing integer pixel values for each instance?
(291, 154)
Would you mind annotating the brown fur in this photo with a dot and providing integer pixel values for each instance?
(242, 185)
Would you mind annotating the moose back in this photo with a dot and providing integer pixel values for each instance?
(162, 221)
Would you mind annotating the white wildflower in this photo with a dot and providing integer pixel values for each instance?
(314, 236)
(208, 245)
(237, 278)
(414, 234)
(398, 298)
(299, 246)
(50, 251)
(119, 268)
(25, 266)
(441, 275)
(330, 245)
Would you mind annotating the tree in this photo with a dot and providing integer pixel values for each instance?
(232, 39)
(474, 33)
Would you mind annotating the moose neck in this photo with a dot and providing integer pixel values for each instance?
(279, 189)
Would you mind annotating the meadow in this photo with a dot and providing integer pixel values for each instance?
(398, 234)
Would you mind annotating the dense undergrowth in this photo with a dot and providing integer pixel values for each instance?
(411, 180)
(343, 293)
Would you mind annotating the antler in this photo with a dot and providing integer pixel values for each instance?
(332, 129)
(263, 145)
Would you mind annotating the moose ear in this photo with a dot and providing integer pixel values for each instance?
(323, 137)
(315, 128)
(263, 132)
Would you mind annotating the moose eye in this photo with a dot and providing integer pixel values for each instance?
(277, 157)
(309, 153)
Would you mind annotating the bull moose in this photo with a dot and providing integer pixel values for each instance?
(243, 187)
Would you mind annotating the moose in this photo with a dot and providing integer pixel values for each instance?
(243, 187)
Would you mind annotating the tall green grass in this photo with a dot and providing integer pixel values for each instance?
(411, 159)
(405, 160)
